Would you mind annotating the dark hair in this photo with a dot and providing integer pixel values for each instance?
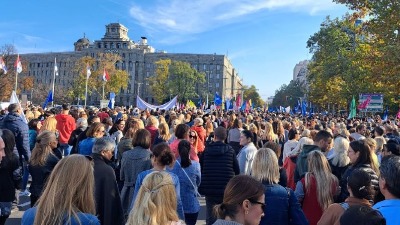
(181, 130)
(364, 215)
(114, 127)
(360, 127)
(379, 130)
(33, 124)
(220, 133)
(142, 138)
(322, 135)
(364, 156)
(390, 172)
(184, 150)
(274, 147)
(162, 153)
(238, 189)
(13, 107)
(392, 146)
(361, 185)
(9, 142)
(91, 118)
(292, 134)
(248, 134)
(65, 106)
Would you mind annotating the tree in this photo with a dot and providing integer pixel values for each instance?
(159, 79)
(183, 79)
(252, 93)
(288, 95)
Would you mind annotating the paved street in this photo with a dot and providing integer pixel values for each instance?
(15, 218)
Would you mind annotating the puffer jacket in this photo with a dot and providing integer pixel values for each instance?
(17, 125)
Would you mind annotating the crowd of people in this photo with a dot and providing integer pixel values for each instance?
(151, 167)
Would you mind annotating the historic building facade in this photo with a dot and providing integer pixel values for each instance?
(138, 59)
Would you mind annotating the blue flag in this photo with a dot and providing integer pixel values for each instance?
(48, 99)
(304, 108)
(385, 114)
(217, 99)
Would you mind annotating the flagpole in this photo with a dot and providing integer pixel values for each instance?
(103, 88)
(86, 90)
(16, 75)
(54, 81)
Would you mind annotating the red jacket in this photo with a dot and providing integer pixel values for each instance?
(65, 126)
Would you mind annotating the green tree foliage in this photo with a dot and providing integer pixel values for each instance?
(288, 95)
(157, 82)
(252, 93)
(183, 79)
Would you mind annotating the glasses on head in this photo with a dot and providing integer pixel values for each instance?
(257, 202)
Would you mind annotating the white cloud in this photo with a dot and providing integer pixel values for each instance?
(182, 17)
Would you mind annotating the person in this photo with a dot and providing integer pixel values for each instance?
(276, 148)
(108, 201)
(360, 157)
(82, 136)
(182, 133)
(282, 206)
(360, 132)
(361, 193)
(60, 203)
(42, 163)
(163, 133)
(81, 126)
(116, 130)
(8, 164)
(161, 158)
(246, 154)
(361, 214)
(65, 126)
(291, 144)
(156, 201)
(339, 161)
(316, 190)
(234, 135)
(151, 126)
(129, 132)
(243, 202)
(95, 131)
(188, 172)
(218, 165)
(133, 162)
(392, 147)
(389, 185)
(322, 142)
(13, 122)
(195, 142)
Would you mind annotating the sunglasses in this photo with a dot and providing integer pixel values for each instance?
(260, 203)
(192, 136)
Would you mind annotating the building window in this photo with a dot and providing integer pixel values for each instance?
(119, 46)
(147, 74)
(105, 45)
(112, 45)
(217, 76)
(204, 66)
(38, 65)
(216, 85)
(218, 67)
(211, 76)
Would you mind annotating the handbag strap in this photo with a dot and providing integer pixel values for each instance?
(195, 188)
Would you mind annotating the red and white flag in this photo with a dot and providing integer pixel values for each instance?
(106, 77)
(18, 65)
(88, 72)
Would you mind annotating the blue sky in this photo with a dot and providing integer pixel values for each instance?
(264, 39)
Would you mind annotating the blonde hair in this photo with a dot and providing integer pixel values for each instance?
(340, 147)
(269, 134)
(299, 147)
(60, 201)
(152, 121)
(49, 124)
(380, 141)
(319, 168)
(374, 158)
(156, 201)
(163, 129)
(265, 166)
(42, 148)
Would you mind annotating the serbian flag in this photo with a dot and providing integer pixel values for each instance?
(88, 72)
(18, 65)
(238, 99)
(365, 103)
(106, 77)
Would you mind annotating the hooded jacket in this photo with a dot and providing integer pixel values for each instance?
(301, 164)
(65, 125)
(218, 165)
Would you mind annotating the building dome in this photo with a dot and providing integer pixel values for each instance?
(83, 41)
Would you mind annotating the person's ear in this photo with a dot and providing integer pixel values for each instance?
(246, 205)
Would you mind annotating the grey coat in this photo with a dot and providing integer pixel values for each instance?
(133, 162)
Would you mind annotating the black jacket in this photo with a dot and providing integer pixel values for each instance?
(40, 174)
(218, 165)
(7, 167)
(108, 201)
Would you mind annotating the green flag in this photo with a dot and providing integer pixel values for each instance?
(353, 109)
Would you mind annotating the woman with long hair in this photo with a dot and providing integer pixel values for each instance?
(182, 133)
(234, 134)
(156, 201)
(188, 172)
(8, 164)
(49, 124)
(246, 154)
(66, 204)
(360, 157)
(282, 206)
(116, 130)
(361, 193)
(243, 202)
(41, 163)
(161, 158)
(133, 162)
(125, 144)
(163, 134)
(317, 189)
(340, 161)
(269, 134)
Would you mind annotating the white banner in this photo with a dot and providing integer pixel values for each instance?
(141, 104)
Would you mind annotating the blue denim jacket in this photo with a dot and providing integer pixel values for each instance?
(282, 207)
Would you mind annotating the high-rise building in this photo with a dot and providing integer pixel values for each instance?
(138, 60)
(300, 71)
